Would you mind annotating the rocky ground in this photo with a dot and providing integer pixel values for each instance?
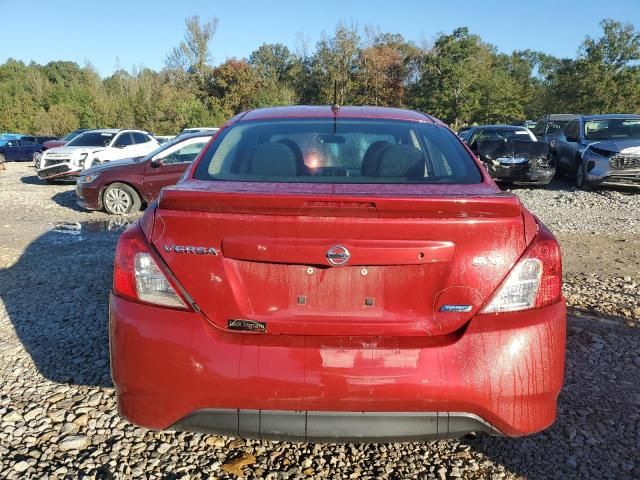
(58, 416)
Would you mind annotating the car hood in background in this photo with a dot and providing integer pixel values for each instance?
(630, 145)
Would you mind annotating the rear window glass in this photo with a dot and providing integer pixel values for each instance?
(344, 151)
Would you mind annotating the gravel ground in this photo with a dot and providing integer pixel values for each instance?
(564, 208)
(58, 415)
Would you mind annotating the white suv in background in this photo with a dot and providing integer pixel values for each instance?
(92, 147)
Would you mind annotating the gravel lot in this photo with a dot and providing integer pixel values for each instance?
(58, 416)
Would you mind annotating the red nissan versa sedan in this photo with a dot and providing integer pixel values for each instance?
(341, 274)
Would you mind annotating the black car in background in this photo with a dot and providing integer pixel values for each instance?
(511, 154)
(601, 150)
(462, 131)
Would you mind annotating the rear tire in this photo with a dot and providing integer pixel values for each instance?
(120, 199)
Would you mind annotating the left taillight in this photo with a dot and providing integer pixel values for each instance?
(137, 274)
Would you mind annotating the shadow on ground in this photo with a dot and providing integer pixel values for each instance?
(56, 296)
(32, 180)
(68, 200)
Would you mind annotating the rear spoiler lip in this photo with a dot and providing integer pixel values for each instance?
(497, 205)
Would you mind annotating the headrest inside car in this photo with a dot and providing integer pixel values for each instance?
(401, 161)
(273, 159)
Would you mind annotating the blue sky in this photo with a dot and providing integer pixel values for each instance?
(136, 33)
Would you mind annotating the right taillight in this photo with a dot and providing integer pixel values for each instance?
(535, 281)
(137, 274)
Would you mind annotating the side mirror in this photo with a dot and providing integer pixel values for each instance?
(156, 162)
(572, 139)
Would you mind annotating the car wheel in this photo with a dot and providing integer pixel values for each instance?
(120, 199)
(581, 177)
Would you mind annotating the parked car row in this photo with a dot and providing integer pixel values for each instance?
(117, 170)
(594, 150)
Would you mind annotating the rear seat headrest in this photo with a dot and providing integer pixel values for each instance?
(401, 161)
(276, 159)
(371, 158)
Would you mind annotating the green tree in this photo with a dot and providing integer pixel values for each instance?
(192, 54)
(605, 77)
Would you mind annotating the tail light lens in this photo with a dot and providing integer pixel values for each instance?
(535, 281)
(137, 274)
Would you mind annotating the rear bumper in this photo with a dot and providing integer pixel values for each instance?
(332, 426)
(500, 373)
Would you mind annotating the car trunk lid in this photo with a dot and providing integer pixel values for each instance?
(337, 260)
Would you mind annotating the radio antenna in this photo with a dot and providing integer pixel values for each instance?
(335, 107)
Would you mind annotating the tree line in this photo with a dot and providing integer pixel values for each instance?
(458, 78)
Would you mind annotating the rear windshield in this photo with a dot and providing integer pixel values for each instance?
(91, 139)
(344, 151)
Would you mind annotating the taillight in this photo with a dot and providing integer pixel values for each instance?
(535, 281)
(137, 274)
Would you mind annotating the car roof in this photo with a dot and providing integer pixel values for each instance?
(203, 133)
(105, 130)
(306, 111)
(115, 130)
(563, 116)
(608, 116)
(500, 127)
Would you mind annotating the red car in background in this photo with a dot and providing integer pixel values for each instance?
(121, 186)
(342, 274)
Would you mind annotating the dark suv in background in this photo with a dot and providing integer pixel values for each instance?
(601, 150)
(23, 148)
(550, 127)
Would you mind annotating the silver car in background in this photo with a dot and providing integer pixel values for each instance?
(601, 150)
